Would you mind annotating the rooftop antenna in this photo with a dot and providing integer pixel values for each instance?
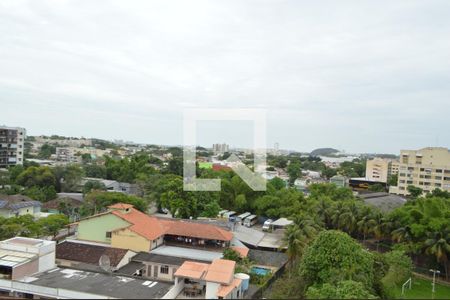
(105, 263)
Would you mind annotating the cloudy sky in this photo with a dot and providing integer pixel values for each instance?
(363, 76)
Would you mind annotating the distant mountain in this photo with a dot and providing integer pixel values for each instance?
(323, 152)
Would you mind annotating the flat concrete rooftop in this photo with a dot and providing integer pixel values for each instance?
(100, 284)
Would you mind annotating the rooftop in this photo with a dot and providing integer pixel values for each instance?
(11, 258)
(142, 224)
(219, 271)
(100, 284)
(384, 201)
(14, 202)
(194, 270)
(282, 222)
(151, 227)
(188, 253)
(224, 290)
(196, 230)
(162, 259)
(89, 254)
(243, 251)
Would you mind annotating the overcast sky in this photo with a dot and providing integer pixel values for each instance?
(361, 76)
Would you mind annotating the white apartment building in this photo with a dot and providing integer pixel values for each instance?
(220, 148)
(427, 168)
(12, 147)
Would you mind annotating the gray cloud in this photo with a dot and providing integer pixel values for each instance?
(363, 76)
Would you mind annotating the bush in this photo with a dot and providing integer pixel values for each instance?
(333, 257)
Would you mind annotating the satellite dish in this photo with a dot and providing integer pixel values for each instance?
(105, 263)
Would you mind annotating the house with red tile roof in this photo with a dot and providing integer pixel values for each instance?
(125, 227)
(207, 281)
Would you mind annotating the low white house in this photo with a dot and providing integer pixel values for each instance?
(18, 205)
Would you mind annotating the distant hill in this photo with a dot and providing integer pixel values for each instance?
(323, 152)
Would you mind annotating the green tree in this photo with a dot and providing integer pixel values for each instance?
(36, 176)
(94, 171)
(91, 185)
(97, 201)
(277, 183)
(46, 151)
(346, 289)
(414, 191)
(53, 224)
(294, 171)
(334, 256)
(231, 254)
(377, 187)
(438, 245)
(392, 180)
(42, 194)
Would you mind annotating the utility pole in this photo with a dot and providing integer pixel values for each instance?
(434, 280)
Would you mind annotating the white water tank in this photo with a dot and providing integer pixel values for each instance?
(245, 280)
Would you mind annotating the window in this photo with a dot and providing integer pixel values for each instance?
(108, 234)
(438, 170)
(164, 270)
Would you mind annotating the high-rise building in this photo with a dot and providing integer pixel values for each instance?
(12, 141)
(380, 169)
(427, 168)
(220, 148)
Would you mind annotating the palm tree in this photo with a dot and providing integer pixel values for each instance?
(379, 227)
(349, 219)
(322, 209)
(438, 244)
(366, 224)
(295, 243)
(337, 210)
(297, 237)
(402, 234)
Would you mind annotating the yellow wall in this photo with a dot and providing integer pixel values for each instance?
(127, 239)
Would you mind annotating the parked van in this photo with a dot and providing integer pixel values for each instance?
(250, 221)
(266, 226)
(241, 217)
(230, 215)
(222, 212)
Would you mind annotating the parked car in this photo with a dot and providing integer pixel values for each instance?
(266, 225)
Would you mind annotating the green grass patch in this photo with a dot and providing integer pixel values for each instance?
(205, 165)
(421, 289)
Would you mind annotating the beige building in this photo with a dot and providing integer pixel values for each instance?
(380, 169)
(427, 168)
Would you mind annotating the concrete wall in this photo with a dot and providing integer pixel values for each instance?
(158, 242)
(176, 289)
(21, 211)
(126, 259)
(43, 291)
(127, 239)
(47, 262)
(211, 290)
(150, 270)
(94, 229)
(25, 269)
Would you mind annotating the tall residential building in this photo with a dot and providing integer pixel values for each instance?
(11, 146)
(427, 168)
(380, 169)
(220, 148)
